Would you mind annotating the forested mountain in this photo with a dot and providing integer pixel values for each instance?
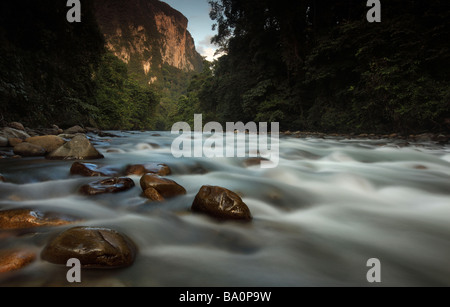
(320, 65)
(111, 70)
(315, 65)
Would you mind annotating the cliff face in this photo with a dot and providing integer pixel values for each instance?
(146, 34)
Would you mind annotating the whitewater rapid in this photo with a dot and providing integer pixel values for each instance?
(329, 206)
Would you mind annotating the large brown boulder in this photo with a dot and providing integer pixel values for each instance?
(94, 247)
(111, 185)
(221, 203)
(27, 218)
(154, 168)
(166, 188)
(79, 148)
(48, 142)
(29, 150)
(92, 170)
(16, 259)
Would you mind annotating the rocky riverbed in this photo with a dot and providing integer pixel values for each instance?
(333, 202)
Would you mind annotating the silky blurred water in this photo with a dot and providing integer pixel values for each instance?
(329, 206)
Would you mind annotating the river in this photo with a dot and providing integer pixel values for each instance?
(329, 206)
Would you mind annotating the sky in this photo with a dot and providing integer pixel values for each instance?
(200, 25)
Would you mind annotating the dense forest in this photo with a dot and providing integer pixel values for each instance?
(315, 65)
(56, 72)
(319, 65)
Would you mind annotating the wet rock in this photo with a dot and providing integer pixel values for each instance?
(79, 148)
(8, 133)
(254, 161)
(2, 179)
(154, 168)
(92, 170)
(221, 203)
(27, 218)
(13, 260)
(153, 195)
(442, 139)
(420, 167)
(156, 135)
(74, 130)
(17, 126)
(96, 248)
(3, 142)
(425, 137)
(29, 150)
(166, 188)
(13, 142)
(110, 185)
(48, 142)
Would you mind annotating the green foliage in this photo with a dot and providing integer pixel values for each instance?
(55, 72)
(319, 65)
(122, 103)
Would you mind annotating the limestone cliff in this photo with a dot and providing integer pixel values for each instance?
(146, 34)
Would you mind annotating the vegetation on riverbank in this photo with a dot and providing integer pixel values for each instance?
(310, 65)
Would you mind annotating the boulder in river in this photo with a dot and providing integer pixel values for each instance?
(3, 142)
(221, 203)
(166, 188)
(153, 195)
(17, 126)
(48, 142)
(92, 170)
(14, 141)
(27, 218)
(16, 259)
(74, 130)
(29, 150)
(154, 168)
(94, 247)
(8, 133)
(110, 185)
(79, 148)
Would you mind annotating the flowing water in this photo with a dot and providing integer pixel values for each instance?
(329, 206)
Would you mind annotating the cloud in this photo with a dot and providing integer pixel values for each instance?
(207, 49)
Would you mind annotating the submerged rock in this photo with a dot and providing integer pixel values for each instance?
(26, 218)
(13, 260)
(48, 142)
(29, 150)
(79, 148)
(254, 161)
(97, 248)
(221, 203)
(154, 168)
(92, 170)
(111, 185)
(165, 187)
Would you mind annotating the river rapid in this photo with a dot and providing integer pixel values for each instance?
(328, 207)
